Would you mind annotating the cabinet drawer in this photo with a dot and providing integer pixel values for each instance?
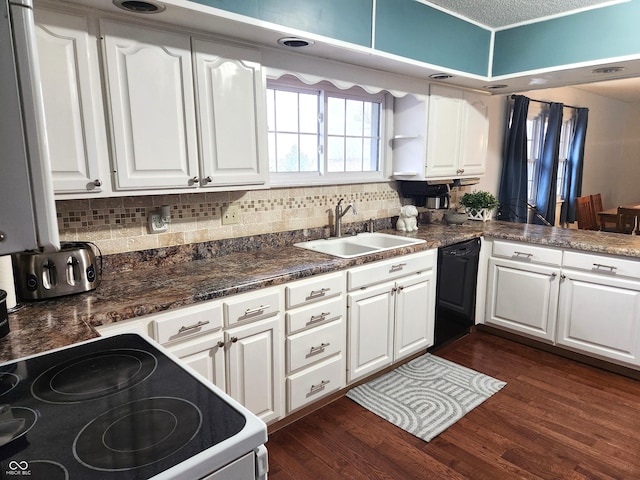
(391, 269)
(527, 253)
(186, 322)
(316, 344)
(250, 307)
(314, 383)
(315, 314)
(312, 290)
(602, 264)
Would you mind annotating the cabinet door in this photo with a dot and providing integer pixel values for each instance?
(523, 297)
(600, 315)
(415, 314)
(443, 134)
(370, 330)
(254, 367)
(205, 355)
(150, 85)
(70, 79)
(232, 115)
(475, 135)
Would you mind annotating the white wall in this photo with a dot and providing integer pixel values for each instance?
(498, 115)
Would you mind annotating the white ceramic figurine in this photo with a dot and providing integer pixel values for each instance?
(408, 221)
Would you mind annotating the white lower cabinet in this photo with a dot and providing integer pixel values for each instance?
(205, 355)
(389, 320)
(254, 367)
(523, 297)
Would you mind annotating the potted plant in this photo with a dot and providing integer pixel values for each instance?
(479, 205)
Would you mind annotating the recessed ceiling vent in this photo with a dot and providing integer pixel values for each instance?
(605, 70)
(295, 42)
(496, 87)
(440, 76)
(137, 6)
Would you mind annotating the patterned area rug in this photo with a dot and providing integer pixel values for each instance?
(426, 395)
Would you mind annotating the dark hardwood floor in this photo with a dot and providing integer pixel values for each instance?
(555, 419)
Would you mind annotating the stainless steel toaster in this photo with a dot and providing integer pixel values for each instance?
(70, 270)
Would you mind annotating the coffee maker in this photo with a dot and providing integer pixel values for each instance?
(426, 194)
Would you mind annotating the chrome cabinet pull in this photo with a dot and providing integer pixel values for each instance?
(193, 327)
(319, 348)
(318, 318)
(253, 311)
(399, 266)
(220, 344)
(206, 180)
(194, 180)
(522, 254)
(610, 267)
(320, 386)
(97, 182)
(234, 339)
(319, 293)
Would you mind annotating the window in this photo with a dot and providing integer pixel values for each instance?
(323, 135)
(536, 129)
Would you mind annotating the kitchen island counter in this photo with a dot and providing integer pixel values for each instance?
(165, 282)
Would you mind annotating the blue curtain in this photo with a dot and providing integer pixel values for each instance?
(547, 171)
(513, 182)
(574, 166)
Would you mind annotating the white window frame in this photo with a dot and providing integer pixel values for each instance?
(322, 177)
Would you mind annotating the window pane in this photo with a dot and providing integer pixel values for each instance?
(354, 155)
(287, 145)
(308, 153)
(354, 118)
(271, 112)
(367, 129)
(271, 139)
(308, 113)
(335, 116)
(286, 111)
(335, 154)
(370, 155)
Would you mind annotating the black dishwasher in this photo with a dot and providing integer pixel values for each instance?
(456, 290)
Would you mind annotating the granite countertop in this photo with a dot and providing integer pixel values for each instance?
(44, 325)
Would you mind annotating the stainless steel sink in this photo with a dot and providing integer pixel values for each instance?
(361, 244)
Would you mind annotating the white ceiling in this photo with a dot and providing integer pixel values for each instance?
(502, 13)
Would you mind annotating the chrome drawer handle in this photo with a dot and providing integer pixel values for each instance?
(320, 386)
(318, 318)
(253, 311)
(523, 254)
(610, 267)
(220, 344)
(319, 348)
(399, 266)
(319, 293)
(193, 327)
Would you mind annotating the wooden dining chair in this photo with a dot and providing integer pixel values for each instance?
(628, 220)
(585, 214)
(596, 205)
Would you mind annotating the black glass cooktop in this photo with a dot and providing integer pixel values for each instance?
(112, 408)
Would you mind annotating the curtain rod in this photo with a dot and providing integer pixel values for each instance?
(548, 103)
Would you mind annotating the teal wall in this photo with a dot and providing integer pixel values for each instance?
(346, 20)
(592, 35)
(415, 30)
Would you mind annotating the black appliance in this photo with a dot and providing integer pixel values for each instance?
(116, 408)
(420, 192)
(456, 290)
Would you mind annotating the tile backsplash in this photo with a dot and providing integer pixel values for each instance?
(119, 224)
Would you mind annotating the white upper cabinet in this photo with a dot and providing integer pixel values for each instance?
(70, 77)
(232, 119)
(153, 122)
(442, 137)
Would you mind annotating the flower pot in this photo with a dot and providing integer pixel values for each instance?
(483, 215)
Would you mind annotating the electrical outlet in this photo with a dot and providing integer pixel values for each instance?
(231, 215)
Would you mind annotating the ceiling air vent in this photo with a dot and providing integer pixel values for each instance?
(605, 70)
(495, 87)
(139, 6)
(294, 42)
(440, 76)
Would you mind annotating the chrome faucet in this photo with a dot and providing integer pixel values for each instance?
(341, 213)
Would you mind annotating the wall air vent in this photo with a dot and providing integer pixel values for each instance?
(134, 6)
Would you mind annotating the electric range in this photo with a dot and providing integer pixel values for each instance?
(119, 407)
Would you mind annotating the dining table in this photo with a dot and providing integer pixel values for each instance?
(610, 215)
